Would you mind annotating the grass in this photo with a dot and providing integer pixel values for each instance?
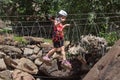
(48, 40)
(20, 39)
(24, 41)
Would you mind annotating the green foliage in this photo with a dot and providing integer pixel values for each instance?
(48, 40)
(38, 7)
(20, 40)
(5, 30)
(45, 7)
(110, 37)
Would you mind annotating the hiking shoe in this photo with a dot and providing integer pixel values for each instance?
(66, 64)
(46, 58)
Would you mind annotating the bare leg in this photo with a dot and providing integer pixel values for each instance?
(46, 58)
(63, 52)
(51, 52)
(66, 64)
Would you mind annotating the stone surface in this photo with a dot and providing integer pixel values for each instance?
(2, 65)
(5, 75)
(2, 54)
(36, 49)
(37, 62)
(66, 43)
(33, 57)
(29, 63)
(27, 66)
(76, 49)
(20, 75)
(7, 48)
(30, 46)
(46, 45)
(28, 51)
(108, 67)
(10, 62)
(34, 40)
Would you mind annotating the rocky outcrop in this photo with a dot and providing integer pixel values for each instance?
(24, 60)
(89, 50)
(21, 75)
(108, 67)
(5, 75)
(27, 66)
(7, 49)
(89, 44)
(34, 40)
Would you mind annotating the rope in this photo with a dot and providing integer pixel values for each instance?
(76, 31)
(67, 19)
(68, 14)
(19, 27)
(50, 31)
(68, 31)
(87, 23)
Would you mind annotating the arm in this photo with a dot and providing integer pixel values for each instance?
(66, 25)
(51, 18)
(56, 22)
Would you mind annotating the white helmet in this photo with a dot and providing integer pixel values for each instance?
(63, 13)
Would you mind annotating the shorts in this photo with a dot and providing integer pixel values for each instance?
(58, 44)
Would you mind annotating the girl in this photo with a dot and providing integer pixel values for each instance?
(58, 39)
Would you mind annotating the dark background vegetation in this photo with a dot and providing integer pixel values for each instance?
(84, 14)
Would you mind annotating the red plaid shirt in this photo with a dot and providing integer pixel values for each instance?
(58, 32)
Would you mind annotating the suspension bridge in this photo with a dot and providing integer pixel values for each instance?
(81, 24)
(98, 24)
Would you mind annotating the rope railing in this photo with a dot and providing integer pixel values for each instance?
(80, 25)
(109, 13)
(94, 13)
(109, 17)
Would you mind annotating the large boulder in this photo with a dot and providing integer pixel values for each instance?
(54, 70)
(93, 44)
(28, 51)
(10, 62)
(21, 75)
(2, 65)
(36, 49)
(7, 49)
(5, 75)
(23, 64)
(76, 49)
(108, 67)
(34, 40)
(27, 66)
